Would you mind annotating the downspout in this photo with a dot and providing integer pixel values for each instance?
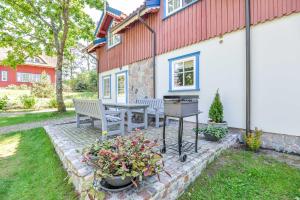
(248, 67)
(153, 50)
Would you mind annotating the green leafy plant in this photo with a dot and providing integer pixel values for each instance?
(43, 88)
(216, 109)
(3, 102)
(129, 156)
(28, 101)
(253, 139)
(213, 132)
(53, 103)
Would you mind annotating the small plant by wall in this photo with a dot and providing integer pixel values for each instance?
(3, 102)
(216, 109)
(253, 140)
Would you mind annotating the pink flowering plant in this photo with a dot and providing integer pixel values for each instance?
(128, 156)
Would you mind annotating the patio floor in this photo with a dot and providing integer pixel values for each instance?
(69, 142)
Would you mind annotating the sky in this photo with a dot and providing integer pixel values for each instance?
(126, 6)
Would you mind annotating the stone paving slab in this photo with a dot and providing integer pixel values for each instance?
(69, 142)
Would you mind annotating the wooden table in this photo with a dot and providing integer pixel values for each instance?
(129, 109)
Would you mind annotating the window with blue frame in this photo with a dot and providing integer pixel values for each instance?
(173, 6)
(184, 72)
(112, 39)
(106, 87)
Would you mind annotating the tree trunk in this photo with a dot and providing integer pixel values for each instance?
(59, 88)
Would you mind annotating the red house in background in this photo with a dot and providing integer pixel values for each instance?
(27, 73)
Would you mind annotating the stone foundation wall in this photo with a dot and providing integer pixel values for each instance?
(281, 142)
(140, 80)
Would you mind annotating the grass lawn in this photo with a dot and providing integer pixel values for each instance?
(240, 174)
(30, 169)
(33, 117)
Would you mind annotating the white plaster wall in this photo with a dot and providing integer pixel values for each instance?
(275, 75)
(113, 84)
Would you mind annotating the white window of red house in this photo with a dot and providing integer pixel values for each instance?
(113, 39)
(173, 6)
(29, 78)
(4, 75)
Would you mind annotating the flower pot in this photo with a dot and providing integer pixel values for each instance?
(210, 137)
(214, 124)
(117, 181)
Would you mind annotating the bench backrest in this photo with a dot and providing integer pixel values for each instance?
(92, 108)
(154, 104)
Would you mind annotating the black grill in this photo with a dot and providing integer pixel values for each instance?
(180, 106)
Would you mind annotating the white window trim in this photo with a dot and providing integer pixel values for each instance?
(176, 10)
(109, 34)
(191, 87)
(6, 75)
(103, 85)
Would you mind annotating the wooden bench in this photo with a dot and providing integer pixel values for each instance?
(95, 110)
(156, 108)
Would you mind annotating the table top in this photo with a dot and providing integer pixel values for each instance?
(127, 106)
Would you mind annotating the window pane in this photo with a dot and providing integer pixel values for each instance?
(189, 79)
(121, 86)
(189, 65)
(178, 67)
(106, 87)
(176, 4)
(178, 79)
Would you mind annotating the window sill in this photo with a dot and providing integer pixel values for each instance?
(173, 13)
(106, 97)
(184, 90)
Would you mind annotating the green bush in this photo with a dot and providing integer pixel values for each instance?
(216, 109)
(28, 101)
(84, 82)
(53, 103)
(3, 102)
(253, 139)
(214, 131)
(42, 88)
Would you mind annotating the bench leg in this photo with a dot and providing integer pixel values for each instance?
(122, 124)
(92, 122)
(145, 118)
(157, 120)
(78, 120)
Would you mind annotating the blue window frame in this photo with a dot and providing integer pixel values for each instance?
(184, 73)
(173, 6)
(106, 87)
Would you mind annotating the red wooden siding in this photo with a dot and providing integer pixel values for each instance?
(200, 21)
(12, 74)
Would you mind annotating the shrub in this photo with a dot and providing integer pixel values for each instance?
(12, 87)
(23, 87)
(128, 156)
(53, 103)
(28, 101)
(214, 131)
(69, 104)
(3, 103)
(216, 109)
(86, 81)
(253, 139)
(42, 88)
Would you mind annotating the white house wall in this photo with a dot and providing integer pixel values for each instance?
(275, 75)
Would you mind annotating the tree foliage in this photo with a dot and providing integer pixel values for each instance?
(32, 27)
(43, 88)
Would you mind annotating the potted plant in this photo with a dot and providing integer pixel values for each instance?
(213, 133)
(126, 159)
(216, 113)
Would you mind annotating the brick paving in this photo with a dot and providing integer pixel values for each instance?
(69, 142)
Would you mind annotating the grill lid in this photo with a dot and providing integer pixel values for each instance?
(181, 98)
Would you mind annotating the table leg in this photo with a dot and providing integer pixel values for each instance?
(129, 120)
(145, 118)
(164, 135)
(179, 136)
